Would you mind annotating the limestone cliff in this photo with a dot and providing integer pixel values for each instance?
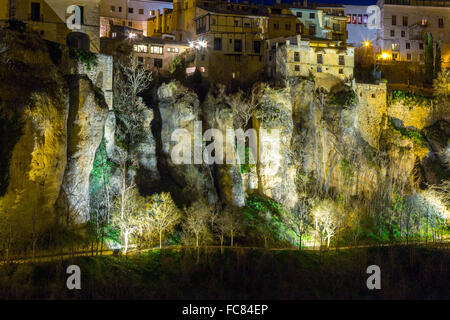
(180, 109)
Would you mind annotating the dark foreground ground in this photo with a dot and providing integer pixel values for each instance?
(406, 273)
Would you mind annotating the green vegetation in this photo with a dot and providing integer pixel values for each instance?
(346, 168)
(410, 99)
(429, 69)
(247, 167)
(414, 135)
(211, 273)
(344, 98)
(89, 59)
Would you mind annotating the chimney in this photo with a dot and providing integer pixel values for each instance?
(278, 1)
(164, 21)
(158, 21)
(305, 3)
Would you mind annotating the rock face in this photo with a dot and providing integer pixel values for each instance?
(179, 108)
(33, 112)
(87, 115)
(276, 168)
(219, 115)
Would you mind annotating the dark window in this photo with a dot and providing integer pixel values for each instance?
(296, 56)
(297, 67)
(405, 21)
(35, 11)
(81, 14)
(130, 23)
(140, 60)
(297, 28)
(130, 10)
(113, 8)
(394, 20)
(312, 15)
(421, 46)
(312, 29)
(320, 59)
(341, 71)
(287, 26)
(257, 46)
(237, 45)
(157, 63)
(299, 14)
(217, 43)
(120, 9)
(341, 60)
(408, 56)
(441, 22)
(276, 26)
(408, 45)
(392, 33)
(403, 34)
(141, 11)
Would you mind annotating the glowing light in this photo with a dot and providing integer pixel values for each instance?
(367, 43)
(385, 56)
(132, 35)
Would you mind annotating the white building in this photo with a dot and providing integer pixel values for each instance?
(132, 14)
(404, 24)
(357, 30)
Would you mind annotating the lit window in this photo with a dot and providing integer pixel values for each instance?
(141, 11)
(156, 49)
(152, 12)
(395, 46)
(202, 69)
(140, 48)
(176, 50)
(349, 18)
(114, 34)
(365, 18)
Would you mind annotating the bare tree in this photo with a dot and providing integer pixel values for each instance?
(298, 219)
(244, 105)
(327, 219)
(162, 214)
(130, 217)
(198, 220)
(231, 225)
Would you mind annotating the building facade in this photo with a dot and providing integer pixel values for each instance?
(132, 14)
(357, 26)
(305, 56)
(404, 24)
(50, 19)
(229, 45)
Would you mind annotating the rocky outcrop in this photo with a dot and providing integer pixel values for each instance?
(87, 115)
(180, 109)
(218, 115)
(276, 168)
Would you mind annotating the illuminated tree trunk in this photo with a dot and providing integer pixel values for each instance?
(160, 239)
